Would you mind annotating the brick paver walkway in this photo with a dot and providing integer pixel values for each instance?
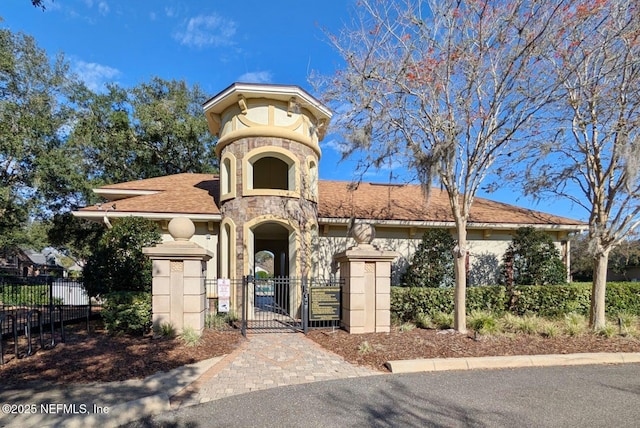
(267, 361)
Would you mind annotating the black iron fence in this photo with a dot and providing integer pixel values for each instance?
(39, 306)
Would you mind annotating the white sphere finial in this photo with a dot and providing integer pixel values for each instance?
(181, 228)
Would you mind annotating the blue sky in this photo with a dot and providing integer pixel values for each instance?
(212, 43)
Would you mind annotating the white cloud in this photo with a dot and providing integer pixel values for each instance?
(94, 75)
(340, 147)
(256, 77)
(103, 6)
(206, 30)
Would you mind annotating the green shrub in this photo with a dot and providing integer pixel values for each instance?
(432, 262)
(127, 312)
(408, 303)
(622, 297)
(532, 259)
(411, 303)
(552, 300)
(118, 263)
(490, 298)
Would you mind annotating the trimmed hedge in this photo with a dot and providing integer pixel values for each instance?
(407, 304)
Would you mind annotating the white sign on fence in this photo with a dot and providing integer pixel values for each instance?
(224, 294)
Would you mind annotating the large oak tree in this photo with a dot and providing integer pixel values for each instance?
(34, 117)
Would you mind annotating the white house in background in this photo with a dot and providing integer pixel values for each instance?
(268, 196)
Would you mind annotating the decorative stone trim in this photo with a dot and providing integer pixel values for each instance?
(177, 266)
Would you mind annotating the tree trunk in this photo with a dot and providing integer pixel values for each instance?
(460, 269)
(597, 318)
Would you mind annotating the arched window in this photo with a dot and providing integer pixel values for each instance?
(227, 255)
(312, 179)
(227, 176)
(271, 171)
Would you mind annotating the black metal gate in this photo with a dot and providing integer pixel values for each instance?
(290, 304)
(271, 304)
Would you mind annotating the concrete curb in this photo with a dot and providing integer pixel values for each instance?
(444, 364)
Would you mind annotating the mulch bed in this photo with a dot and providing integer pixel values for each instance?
(100, 357)
(420, 343)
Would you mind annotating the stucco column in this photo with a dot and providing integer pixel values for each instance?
(366, 296)
(179, 271)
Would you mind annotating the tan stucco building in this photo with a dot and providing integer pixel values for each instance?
(268, 196)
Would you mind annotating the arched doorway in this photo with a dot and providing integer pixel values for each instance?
(273, 293)
(273, 238)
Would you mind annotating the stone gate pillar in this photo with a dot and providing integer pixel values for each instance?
(179, 271)
(366, 296)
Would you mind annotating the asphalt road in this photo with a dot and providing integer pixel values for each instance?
(580, 396)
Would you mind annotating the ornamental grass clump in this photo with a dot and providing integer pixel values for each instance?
(424, 321)
(365, 347)
(575, 324)
(509, 323)
(442, 320)
(549, 328)
(165, 329)
(215, 321)
(627, 324)
(407, 326)
(483, 322)
(190, 336)
(528, 324)
(608, 330)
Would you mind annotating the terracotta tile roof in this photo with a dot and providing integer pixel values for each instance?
(179, 193)
(407, 203)
(198, 194)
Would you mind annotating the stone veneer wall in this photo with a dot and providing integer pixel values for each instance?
(296, 211)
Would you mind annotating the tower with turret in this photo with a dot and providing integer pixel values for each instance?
(268, 147)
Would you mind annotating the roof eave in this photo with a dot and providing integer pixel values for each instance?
(450, 224)
(116, 194)
(99, 215)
